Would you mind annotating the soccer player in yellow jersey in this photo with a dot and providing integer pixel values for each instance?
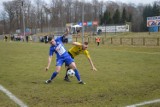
(77, 49)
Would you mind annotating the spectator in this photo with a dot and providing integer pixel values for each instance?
(26, 38)
(98, 40)
(5, 38)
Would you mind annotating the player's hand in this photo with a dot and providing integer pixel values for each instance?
(46, 69)
(94, 69)
(67, 29)
(66, 32)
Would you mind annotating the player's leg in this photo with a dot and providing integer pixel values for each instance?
(59, 63)
(73, 66)
(58, 68)
(66, 76)
(69, 61)
(67, 67)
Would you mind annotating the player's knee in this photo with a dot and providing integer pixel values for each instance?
(73, 66)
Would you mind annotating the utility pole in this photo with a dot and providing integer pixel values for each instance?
(23, 18)
(83, 21)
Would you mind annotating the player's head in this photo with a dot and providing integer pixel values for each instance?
(85, 45)
(53, 42)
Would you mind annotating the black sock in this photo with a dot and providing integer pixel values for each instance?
(66, 73)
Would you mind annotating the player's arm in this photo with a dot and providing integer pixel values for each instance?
(90, 60)
(76, 44)
(66, 32)
(91, 63)
(49, 58)
(64, 39)
(49, 62)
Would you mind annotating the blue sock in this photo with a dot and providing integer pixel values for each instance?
(54, 75)
(77, 74)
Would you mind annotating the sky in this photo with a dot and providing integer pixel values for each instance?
(123, 1)
(134, 1)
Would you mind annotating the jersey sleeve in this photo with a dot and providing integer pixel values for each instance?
(51, 51)
(79, 43)
(59, 38)
(87, 54)
(62, 39)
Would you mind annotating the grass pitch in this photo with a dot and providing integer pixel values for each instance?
(125, 76)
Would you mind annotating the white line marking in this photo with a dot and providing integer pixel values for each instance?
(144, 103)
(12, 97)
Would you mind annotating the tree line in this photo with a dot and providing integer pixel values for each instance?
(56, 13)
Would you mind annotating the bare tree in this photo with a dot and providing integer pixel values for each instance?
(77, 11)
(57, 13)
(112, 7)
(68, 5)
(96, 10)
(9, 8)
(4, 26)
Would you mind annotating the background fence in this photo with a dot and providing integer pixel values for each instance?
(135, 41)
(119, 39)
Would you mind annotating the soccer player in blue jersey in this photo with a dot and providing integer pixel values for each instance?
(62, 56)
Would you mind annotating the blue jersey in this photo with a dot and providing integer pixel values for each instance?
(59, 48)
(60, 51)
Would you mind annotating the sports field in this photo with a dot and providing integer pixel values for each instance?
(127, 75)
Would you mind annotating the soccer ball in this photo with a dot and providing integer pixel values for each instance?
(71, 73)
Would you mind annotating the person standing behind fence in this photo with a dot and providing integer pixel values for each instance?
(5, 38)
(26, 38)
(98, 41)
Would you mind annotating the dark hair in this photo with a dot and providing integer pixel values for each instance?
(86, 43)
(65, 40)
(49, 39)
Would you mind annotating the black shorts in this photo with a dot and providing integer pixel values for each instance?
(71, 57)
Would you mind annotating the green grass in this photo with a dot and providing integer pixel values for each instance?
(126, 75)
